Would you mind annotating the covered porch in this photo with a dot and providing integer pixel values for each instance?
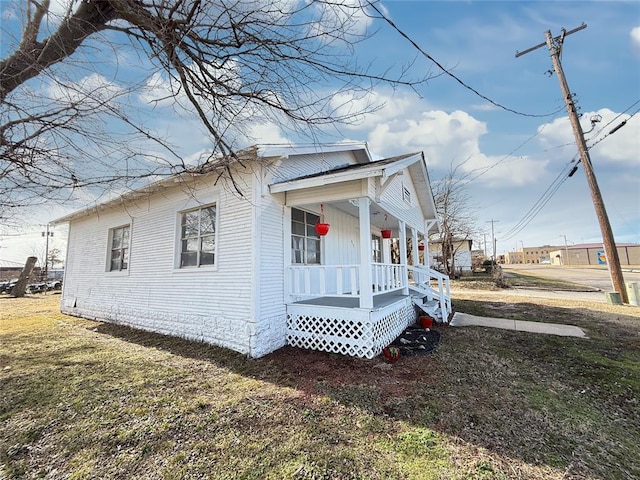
(336, 322)
(354, 289)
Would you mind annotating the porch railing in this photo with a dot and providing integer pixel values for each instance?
(435, 285)
(344, 280)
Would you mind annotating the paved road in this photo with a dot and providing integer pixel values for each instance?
(594, 277)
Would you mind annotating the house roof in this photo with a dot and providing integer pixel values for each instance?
(378, 168)
(582, 246)
(253, 153)
(365, 168)
(384, 168)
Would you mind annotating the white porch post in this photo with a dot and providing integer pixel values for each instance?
(366, 292)
(386, 250)
(402, 227)
(427, 255)
(414, 247)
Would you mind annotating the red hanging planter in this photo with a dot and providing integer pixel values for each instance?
(421, 248)
(322, 228)
(386, 232)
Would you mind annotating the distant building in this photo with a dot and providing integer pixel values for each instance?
(10, 270)
(462, 256)
(593, 254)
(531, 255)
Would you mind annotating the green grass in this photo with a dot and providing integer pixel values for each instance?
(483, 281)
(518, 279)
(81, 399)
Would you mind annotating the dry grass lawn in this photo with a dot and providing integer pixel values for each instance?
(81, 399)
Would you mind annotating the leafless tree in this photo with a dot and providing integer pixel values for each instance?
(68, 120)
(457, 215)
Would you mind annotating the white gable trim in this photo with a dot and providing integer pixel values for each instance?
(372, 171)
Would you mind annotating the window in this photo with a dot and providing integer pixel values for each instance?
(119, 254)
(375, 249)
(305, 242)
(198, 237)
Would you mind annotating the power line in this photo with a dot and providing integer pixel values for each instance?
(537, 206)
(616, 117)
(510, 154)
(615, 129)
(450, 74)
(559, 180)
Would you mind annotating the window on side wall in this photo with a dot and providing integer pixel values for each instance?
(305, 242)
(376, 248)
(119, 252)
(198, 237)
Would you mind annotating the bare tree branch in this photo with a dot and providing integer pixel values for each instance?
(69, 118)
(456, 213)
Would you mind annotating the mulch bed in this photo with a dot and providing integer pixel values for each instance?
(416, 340)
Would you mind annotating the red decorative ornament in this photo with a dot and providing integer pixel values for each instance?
(322, 228)
(421, 247)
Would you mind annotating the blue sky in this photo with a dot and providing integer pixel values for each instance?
(524, 156)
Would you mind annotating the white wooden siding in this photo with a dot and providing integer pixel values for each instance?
(296, 166)
(341, 246)
(392, 201)
(210, 304)
(271, 327)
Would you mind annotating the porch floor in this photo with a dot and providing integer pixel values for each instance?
(379, 301)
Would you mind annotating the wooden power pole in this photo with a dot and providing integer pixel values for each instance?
(613, 261)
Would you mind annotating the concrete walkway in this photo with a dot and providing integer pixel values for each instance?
(464, 320)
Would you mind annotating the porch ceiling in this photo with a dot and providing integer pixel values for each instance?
(376, 217)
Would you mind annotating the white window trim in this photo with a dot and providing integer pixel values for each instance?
(189, 207)
(291, 235)
(121, 272)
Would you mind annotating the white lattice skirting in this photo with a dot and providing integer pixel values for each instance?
(353, 332)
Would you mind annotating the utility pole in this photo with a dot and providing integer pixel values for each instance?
(608, 241)
(493, 238)
(566, 249)
(484, 236)
(46, 234)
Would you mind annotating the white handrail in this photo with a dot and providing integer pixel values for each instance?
(343, 280)
(324, 280)
(423, 277)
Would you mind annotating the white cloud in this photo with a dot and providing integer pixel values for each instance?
(60, 8)
(635, 40)
(620, 147)
(266, 132)
(404, 124)
(343, 18)
(92, 92)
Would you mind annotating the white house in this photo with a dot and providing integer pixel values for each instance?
(190, 256)
(462, 257)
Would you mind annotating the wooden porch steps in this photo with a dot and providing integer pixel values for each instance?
(430, 307)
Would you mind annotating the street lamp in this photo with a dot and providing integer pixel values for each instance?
(594, 119)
